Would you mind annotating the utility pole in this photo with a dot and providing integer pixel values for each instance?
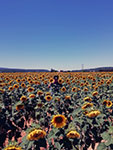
(82, 67)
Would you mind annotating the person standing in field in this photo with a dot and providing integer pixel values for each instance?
(55, 86)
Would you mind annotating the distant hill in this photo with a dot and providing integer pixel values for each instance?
(100, 69)
(22, 70)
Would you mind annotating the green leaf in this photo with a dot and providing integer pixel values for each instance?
(52, 133)
(110, 129)
(101, 146)
(106, 136)
(109, 141)
(58, 146)
(29, 145)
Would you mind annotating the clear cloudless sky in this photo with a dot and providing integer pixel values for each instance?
(59, 34)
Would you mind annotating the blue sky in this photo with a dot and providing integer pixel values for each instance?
(60, 34)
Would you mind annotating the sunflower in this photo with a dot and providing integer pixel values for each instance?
(1, 85)
(48, 97)
(28, 79)
(10, 82)
(107, 103)
(93, 113)
(30, 89)
(19, 107)
(31, 82)
(51, 80)
(68, 81)
(78, 89)
(36, 134)
(95, 93)
(85, 89)
(85, 112)
(60, 81)
(40, 105)
(37, 82)
(13, 148)
(40, 92)
(87, 105)
(96, 87)
(1, 81)
(18, 80)
(48, 93)
(74, 89)
(23, 98)
(45, 82)
(10, 88)
(104, 102)
(2, 90)
(87, 99)
(73, 134)
(59, 121)
(16, 86)
(81, 84)
(23, 85)
(63, 89)
(23, 79)
(67, 97)
(32, 96)
(108, 82)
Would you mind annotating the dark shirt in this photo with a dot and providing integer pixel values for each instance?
(55, 86)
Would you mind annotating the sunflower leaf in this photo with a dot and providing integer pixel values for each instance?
(57, 145)
(101, 146)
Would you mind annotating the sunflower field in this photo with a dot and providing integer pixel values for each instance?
(77, 115)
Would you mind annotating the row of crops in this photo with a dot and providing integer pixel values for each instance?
(76, 116)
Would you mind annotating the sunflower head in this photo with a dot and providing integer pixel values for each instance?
(73, 134)
(87, 105)
(85, 89)
(2, 90)
(23, 98)
(108, 82)
(82, 84)
(60, 80)
(32, 96)
(93, 113)
(18, 80)
(87, 99)
(30, 89)
(59, 121)
(40, 105)
(51, 80)
(31, 82)
(96, 88)
(19, 107)
(74, 89)
(95, 93)
(10, 88)
(13, 147)
(109, 103)
(67, 97)
(45, 82)
(16, 86)
(48, 93)
(104, 102)
(63, 89)
(23, 85)
(85, 112)
(48, 97)
(36, 134)
(40, 92)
